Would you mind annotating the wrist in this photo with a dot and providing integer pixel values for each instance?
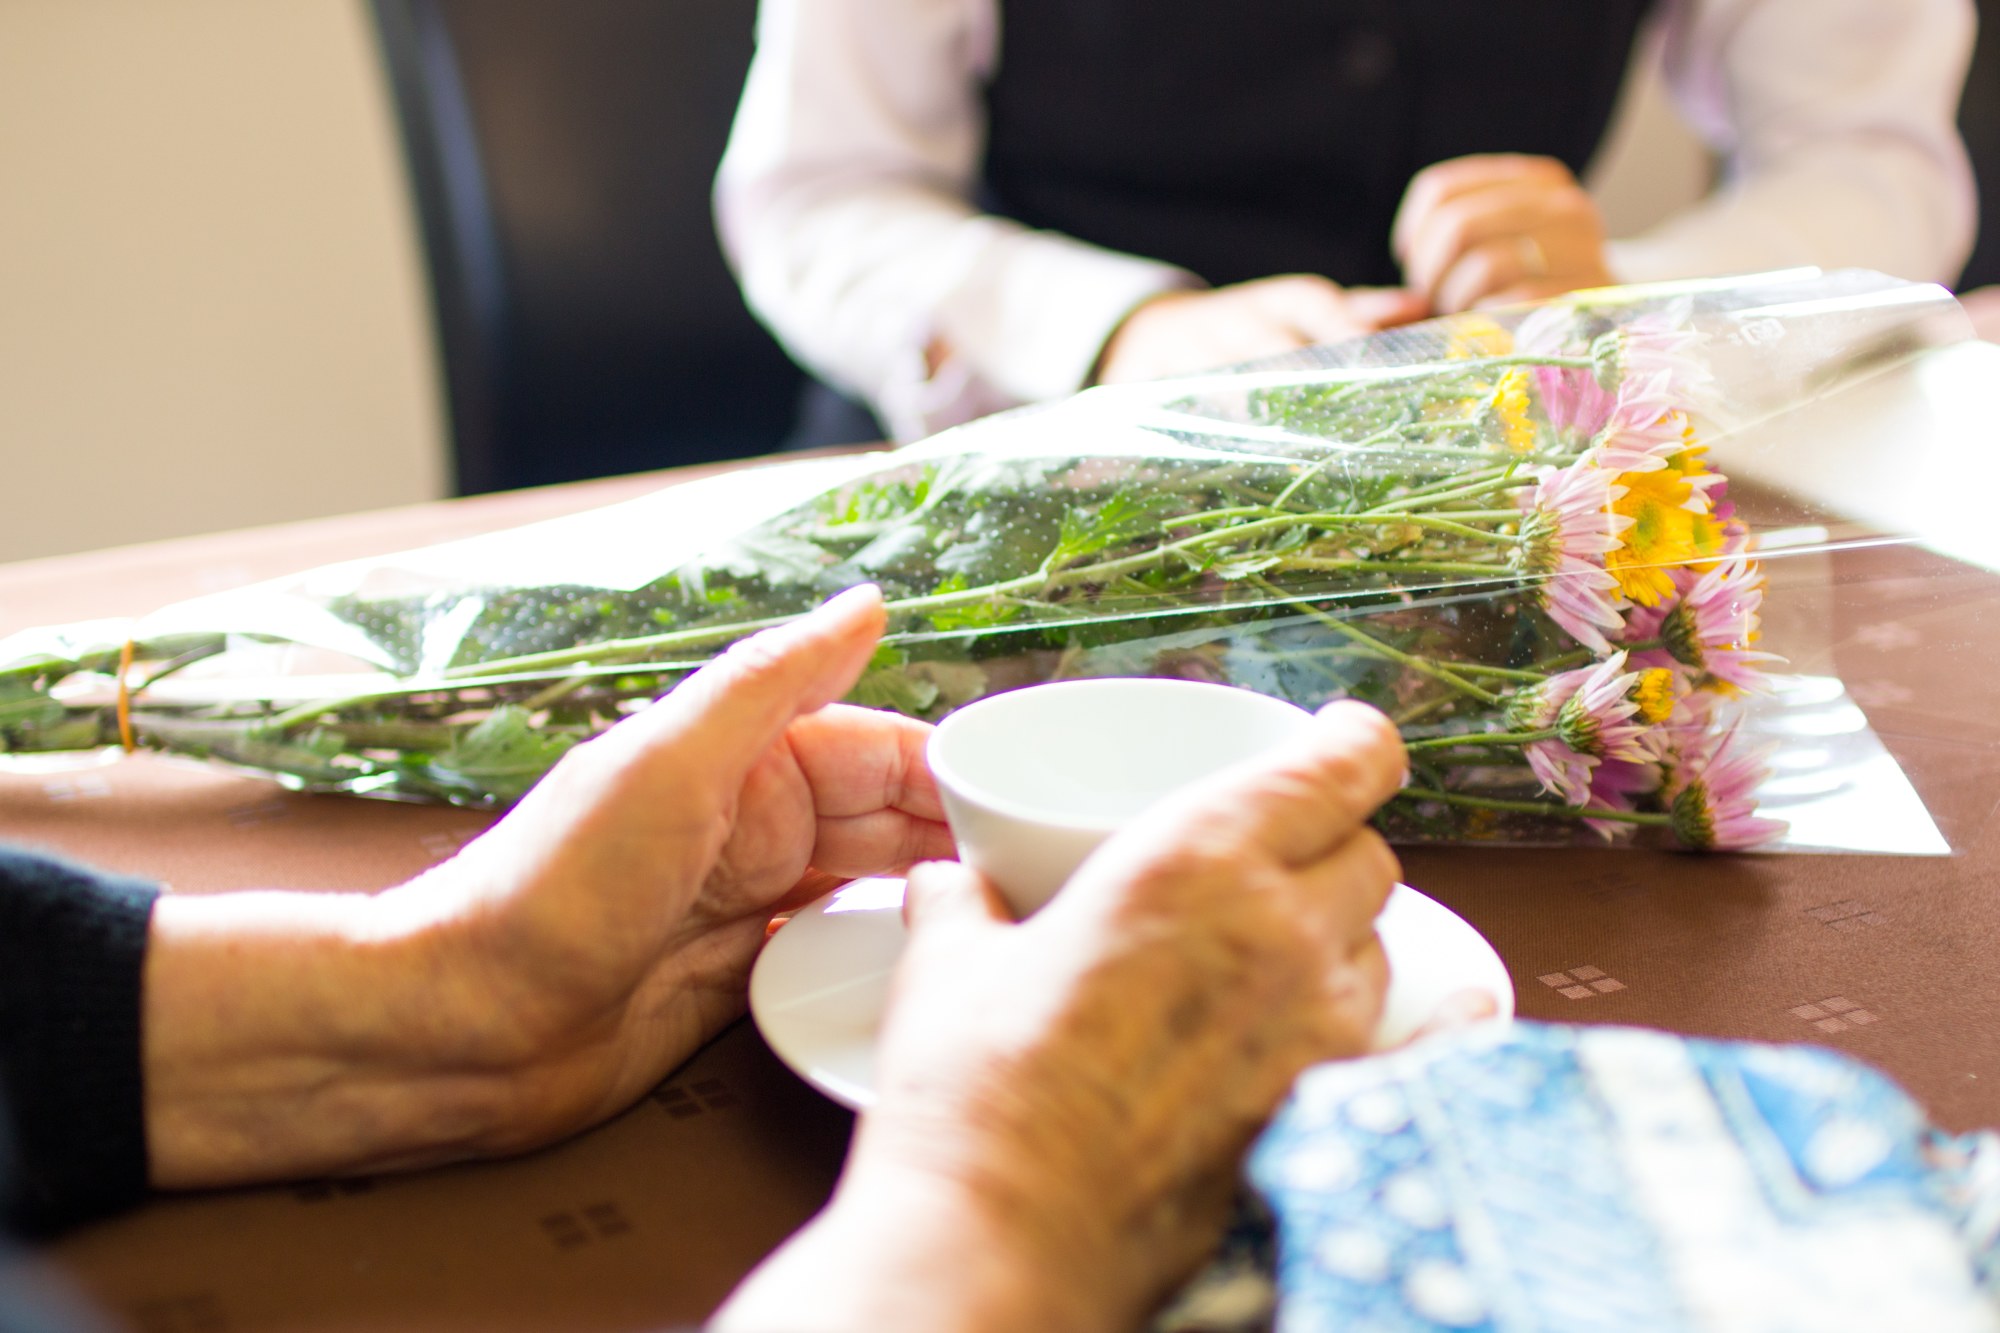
(899, 1248)
(291, 1034)
(1113, 357)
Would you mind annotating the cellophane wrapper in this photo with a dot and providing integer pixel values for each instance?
(1522, 535)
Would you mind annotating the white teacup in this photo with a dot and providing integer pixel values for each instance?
(1034, 779)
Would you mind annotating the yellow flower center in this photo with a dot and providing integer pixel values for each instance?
(1665, 533)
(1477, 336)
(1509, 404)
(1654, 693)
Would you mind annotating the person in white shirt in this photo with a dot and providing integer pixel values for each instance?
(946, 209)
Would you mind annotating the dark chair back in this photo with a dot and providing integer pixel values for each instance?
(561, 157)
(1979, 122)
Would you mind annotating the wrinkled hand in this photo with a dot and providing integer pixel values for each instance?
(1070, 1096)
(1498, 228)
(614, 915)
(1183, 332)
(556, 968)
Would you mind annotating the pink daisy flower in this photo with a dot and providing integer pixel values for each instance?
(1712, 626)
(1548, 330)
(1617, 785)
(1643, 429)
(1568, 530)
(1711, 791)
(1572, 399)
(1591, 711)
(1654, 344)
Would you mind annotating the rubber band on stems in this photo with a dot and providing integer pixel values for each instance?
(125, 698)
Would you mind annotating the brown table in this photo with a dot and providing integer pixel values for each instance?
(652, 1217)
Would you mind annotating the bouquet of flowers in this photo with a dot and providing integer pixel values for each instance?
(1507, 532)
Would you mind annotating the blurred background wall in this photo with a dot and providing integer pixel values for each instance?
(212, 306)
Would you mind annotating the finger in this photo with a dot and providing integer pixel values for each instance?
(858, 760)
(733, 710)
(1315, 307)
(1460, 1009)
(879, 843)
(1480, 272)
(1343, 892)
(1520, 293)
(1499, 214)
(1300, 802)
(1444, 181)
(1361, 988)
(1386, 307)
(1551, 259)
(940, 897)
(812, 886)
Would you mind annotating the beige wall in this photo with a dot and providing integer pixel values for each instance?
(211, 312)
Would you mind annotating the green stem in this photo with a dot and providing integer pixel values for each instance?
(1416, 713)
(1404, 567)
(1576, 658)
(1502, 673)
(1040, 582)
(1316, 468)
(1502, 479)
(1482, 738)
(1533, 807)
(1327, 518)
(1463, 530)
(1525, 359)
(1422, 665)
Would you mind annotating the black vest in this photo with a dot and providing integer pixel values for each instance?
(1257, 137)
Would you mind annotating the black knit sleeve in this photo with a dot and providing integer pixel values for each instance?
(72, 946)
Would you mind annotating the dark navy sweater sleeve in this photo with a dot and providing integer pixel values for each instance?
(72, 948)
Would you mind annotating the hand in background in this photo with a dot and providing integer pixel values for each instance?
(1983, 306)
(560, 965)
(1180, 333)
(1063, 1103)
(1495, 229)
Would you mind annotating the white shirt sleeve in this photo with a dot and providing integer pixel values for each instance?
(1836, 124)
(844, 199)
(844, 203)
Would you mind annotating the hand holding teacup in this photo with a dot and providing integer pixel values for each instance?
(1104, 1063)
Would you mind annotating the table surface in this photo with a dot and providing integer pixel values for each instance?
(652, 1217)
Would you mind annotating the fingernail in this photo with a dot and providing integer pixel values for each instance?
(860, 592)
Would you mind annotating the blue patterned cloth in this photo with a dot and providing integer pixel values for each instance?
(1533, 1178)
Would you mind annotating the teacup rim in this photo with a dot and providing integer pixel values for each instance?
(945, 776)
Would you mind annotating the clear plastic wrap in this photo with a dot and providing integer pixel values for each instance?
(1512, 532)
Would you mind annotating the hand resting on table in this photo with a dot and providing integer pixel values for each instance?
(556, 968)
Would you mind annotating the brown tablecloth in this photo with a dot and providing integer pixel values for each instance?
(650, 1219)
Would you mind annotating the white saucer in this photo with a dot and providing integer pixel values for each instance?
(819, 987)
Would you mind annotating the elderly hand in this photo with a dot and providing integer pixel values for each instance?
(1183, 332)
(1064, 1102)
(559, 966)
(1498, 228)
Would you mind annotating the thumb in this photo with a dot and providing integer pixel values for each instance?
(941, 896)
(1386, 307)
(729, 713)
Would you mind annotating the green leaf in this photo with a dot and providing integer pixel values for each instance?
(888, 684)
(1128, 515)
(504, 754)
(970, 615)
